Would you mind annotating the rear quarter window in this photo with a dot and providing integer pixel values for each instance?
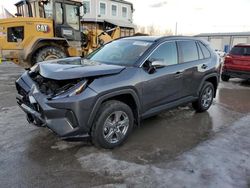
(188, 51)
(204, 50)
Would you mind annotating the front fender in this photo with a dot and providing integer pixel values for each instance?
(110, 95)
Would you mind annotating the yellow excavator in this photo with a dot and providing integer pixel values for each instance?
(48, 29)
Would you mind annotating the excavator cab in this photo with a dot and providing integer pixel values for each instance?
(64, 13)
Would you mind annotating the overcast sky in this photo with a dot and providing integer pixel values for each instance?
(192, 16)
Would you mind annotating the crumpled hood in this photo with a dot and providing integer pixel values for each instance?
(73, 68)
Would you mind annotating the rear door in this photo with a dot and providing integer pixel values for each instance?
(193, 66)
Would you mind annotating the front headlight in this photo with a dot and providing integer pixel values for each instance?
(75, 90)
(79, 89)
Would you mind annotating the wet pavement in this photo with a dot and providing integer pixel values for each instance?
(179, 148)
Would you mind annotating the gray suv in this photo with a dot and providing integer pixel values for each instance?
(104, 95)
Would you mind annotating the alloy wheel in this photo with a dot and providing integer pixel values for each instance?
(207, 97)
(116, 127)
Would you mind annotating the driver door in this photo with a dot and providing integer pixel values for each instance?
(164, 84)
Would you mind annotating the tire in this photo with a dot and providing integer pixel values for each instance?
(106, 131)
(48, 53)
(205, 98)
(225, 78)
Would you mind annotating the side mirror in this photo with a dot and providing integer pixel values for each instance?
(151, 66)
(158, 64)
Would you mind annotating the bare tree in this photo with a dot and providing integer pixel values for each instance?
(168, 32)
(151, 30)
(140, 29)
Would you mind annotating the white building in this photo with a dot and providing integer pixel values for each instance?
(225, 41)
(106, 14)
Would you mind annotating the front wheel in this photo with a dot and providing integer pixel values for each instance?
(114, 122)
(205, 98)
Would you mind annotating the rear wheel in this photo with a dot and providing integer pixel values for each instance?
(225, 78)
(48, 53)
(114, 122)
(205, 98)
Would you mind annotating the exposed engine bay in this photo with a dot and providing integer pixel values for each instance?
(52, 87)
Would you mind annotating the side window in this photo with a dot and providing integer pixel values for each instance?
(166, 52)
(188, 51)
(59, 13)
(247, 51)
(201, 56)
(15, 34)
(205, 51)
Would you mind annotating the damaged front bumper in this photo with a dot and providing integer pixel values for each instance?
(67, 117)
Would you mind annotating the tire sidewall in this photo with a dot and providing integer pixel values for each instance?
(104, 113)
(206, 85)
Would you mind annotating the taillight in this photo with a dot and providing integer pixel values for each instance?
(228, 59)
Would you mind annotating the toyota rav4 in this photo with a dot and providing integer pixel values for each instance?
(237, 63)
(104, 95)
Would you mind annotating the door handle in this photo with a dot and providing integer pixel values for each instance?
(178, 74)
(204, 66)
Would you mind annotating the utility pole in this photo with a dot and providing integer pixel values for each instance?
(96, 17)
(176, 28)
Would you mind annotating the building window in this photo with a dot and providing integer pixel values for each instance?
(114, 10)
(86, 7)
(124, 12)
(102, 8)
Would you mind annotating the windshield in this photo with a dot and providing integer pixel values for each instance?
(120, 52)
